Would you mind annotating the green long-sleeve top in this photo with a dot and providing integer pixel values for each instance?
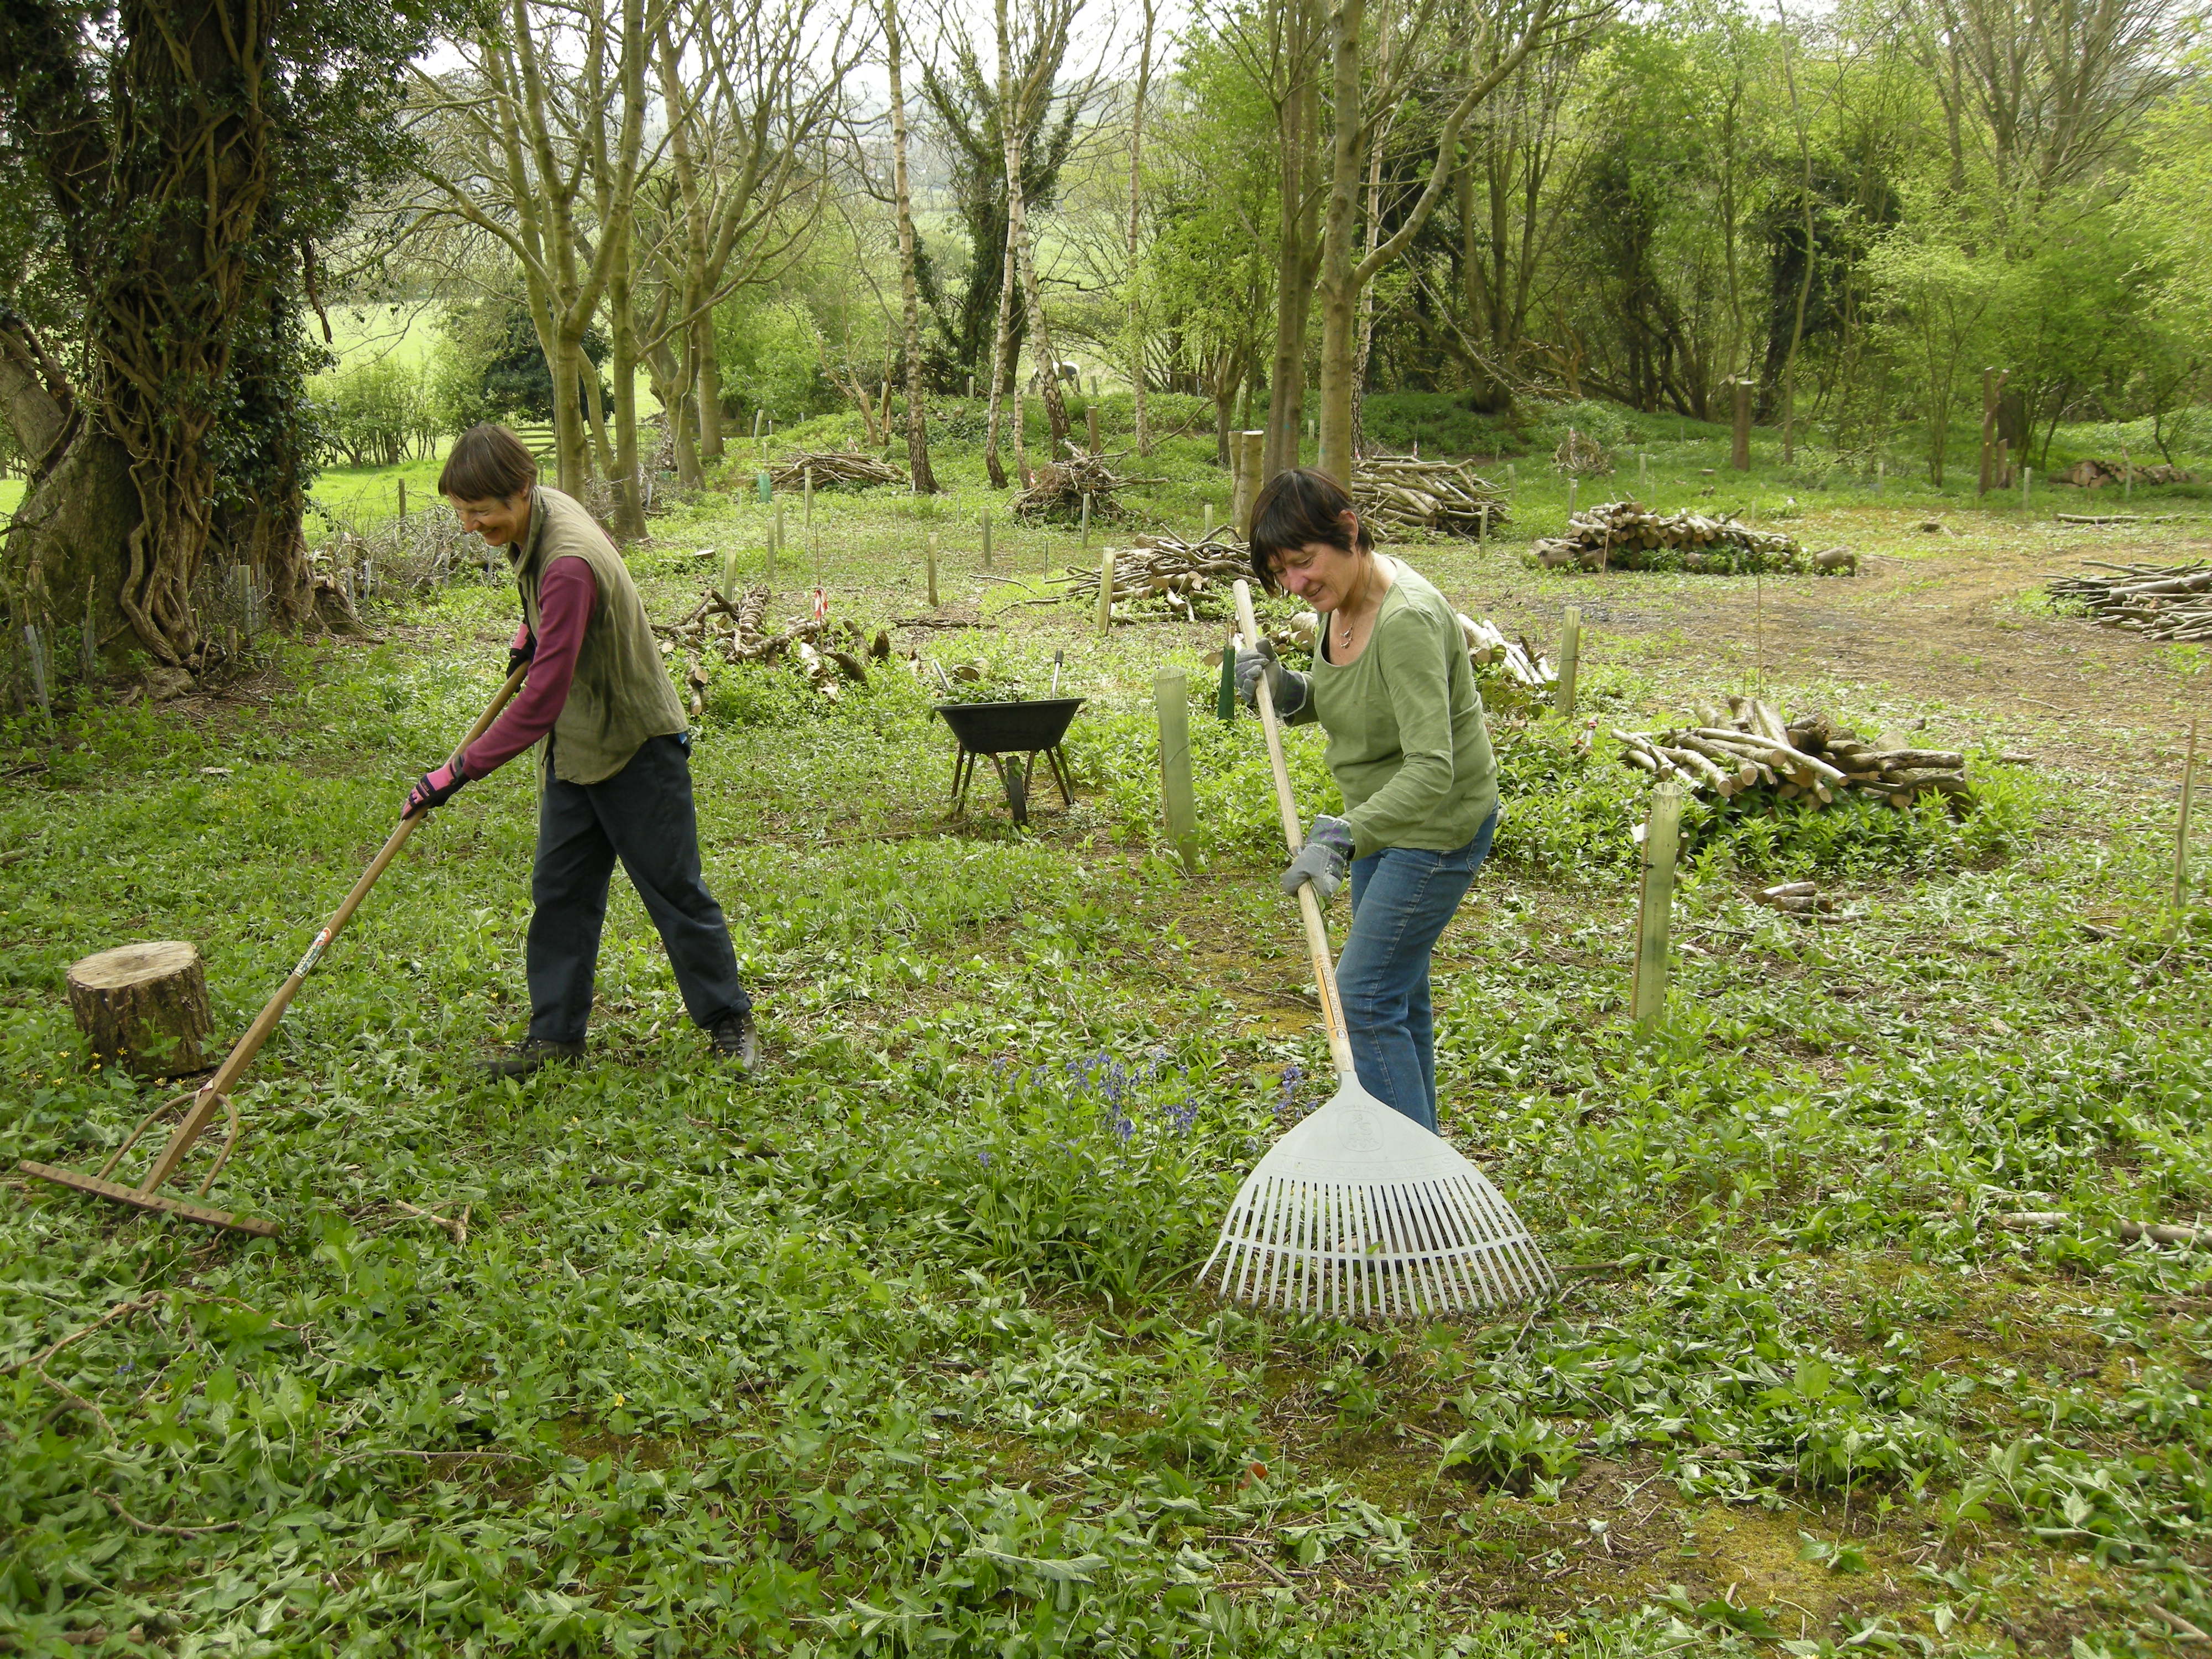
(1407, 740)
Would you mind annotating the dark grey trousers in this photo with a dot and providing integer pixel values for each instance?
(643, 816)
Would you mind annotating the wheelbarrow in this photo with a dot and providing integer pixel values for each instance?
(1010, 735)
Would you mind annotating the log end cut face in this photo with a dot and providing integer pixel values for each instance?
(132, 965)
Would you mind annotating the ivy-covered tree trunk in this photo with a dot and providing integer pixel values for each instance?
(193, 167)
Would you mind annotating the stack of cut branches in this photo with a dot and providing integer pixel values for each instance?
(1446, 496)
(822, 652)
(1627, 535)
(2160, 602)
(833, 469)
(1581, 454)
(1183, 581)
(1056, 492)
(1487, 648)
(1808, 759)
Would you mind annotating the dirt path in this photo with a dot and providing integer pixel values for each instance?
(1953, 628)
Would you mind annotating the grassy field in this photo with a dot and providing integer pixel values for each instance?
(896, 1348)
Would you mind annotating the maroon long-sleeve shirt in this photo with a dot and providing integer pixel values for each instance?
(566, 595)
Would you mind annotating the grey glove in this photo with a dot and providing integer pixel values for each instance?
(1323, 861)
(1287, 688)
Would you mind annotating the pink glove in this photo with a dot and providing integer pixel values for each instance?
(435, 788)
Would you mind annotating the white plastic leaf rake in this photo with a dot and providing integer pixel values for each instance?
(1359, 1209)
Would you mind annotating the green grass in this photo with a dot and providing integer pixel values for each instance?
(896, 1348)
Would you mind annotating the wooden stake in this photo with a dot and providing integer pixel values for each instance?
(775, 541)
(1759, 628)
(1655, 912)
(2181, 829)
(1106, 590)
(1178, 795)
(1571, 483)
(1482, 522)
(932, 570)
(1091, 420)
(1570, 651)
(1205, 509)
(1086, 518)
(2026, 477)
(403, 497)
(807, 524)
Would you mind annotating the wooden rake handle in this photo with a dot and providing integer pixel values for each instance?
(1324, 966)
(212, 1093)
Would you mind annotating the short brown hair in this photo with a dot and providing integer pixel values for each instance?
(487, 462)
(1295, 508)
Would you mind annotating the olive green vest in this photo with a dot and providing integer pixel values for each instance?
(620, 695)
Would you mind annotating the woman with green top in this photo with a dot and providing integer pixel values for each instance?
(1392, 686)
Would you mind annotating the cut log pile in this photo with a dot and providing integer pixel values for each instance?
(1443, 496)
(823, 653)
(1056, 490)
(2160, 602)
(1809, 759)
(834, 469)
(1173, 577)
(1627, 535)
(2095, 475)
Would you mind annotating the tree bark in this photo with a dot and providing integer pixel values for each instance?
(1137, 318)
(917, 405)
(1002, 371)
(1299, 252)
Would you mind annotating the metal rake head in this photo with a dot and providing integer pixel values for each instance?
(1358, 1210)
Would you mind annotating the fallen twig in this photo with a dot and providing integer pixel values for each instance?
(2183, 1630)
(116, 1503)
(459, 1228)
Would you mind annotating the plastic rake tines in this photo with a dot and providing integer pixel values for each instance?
(1360, 1211)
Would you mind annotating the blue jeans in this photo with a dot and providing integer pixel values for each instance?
(1402, 898)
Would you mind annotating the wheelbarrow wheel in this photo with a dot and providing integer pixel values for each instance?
(1017, 792)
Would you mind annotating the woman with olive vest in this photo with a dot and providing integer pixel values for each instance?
(1408, 747)
(614, 762)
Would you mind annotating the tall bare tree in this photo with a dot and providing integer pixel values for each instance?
(1359, 103)
(1048, 25)
(520, 149)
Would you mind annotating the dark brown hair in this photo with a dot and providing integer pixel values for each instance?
(1295, 508)
(487, 462)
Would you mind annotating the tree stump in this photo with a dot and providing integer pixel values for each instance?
(144, 1007)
